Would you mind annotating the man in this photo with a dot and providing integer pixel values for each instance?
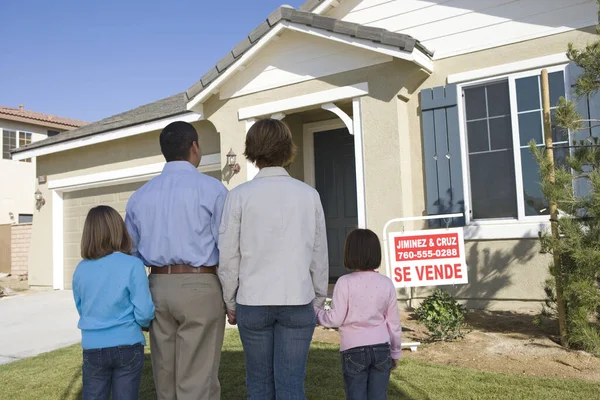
(174, 223)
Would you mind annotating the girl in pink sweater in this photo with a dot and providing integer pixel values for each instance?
(365, 309)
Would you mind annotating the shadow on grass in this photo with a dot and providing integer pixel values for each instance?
(324, 377)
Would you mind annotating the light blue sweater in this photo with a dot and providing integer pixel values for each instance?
(113, 299)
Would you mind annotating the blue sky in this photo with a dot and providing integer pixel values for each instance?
(92, 59)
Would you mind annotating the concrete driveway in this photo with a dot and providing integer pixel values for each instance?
(36, 323)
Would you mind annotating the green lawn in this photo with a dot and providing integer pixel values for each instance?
(57, 375)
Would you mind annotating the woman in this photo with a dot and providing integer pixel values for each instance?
(114, 304)
(273, 265)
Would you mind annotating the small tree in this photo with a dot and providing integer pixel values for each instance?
(577, 247)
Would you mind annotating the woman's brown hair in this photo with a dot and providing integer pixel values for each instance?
(362, 251)
(269, 144)
(104, 233)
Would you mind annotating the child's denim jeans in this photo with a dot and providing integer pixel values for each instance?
(116, 368)
(367, 372)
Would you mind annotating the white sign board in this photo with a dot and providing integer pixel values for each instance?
(433, 257)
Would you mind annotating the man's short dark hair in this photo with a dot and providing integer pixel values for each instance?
(176, 139)
(363, 250)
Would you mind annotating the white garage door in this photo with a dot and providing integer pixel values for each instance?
(77, 205)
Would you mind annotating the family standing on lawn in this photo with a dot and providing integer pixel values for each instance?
(257, 254)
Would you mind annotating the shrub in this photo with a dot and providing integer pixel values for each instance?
(442, 316)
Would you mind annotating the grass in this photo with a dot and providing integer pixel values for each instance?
(57, 375)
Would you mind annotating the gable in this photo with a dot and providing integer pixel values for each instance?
(452, 27)
(296, 57)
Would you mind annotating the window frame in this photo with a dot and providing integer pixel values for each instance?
(17, 144)
(511, 78)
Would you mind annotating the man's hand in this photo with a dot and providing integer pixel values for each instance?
(394, 364)
(231, 317)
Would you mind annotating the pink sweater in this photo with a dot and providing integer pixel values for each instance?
(365, 309)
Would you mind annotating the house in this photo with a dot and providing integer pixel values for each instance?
(399, 109)
(19, 128)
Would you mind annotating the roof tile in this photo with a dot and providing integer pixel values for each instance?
(259, 32)
(40, 117)
(345, 28)
(323, 23)
(282, 12)
(209, 76)
(241, 47)
(225, 62)
(369, 33)
(310, 5)
(301, 17)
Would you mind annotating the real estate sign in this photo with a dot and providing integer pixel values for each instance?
(431, 257)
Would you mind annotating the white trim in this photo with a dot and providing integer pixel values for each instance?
(359, 164)
(108, 136)
(251, 168)
(499, 231)
(509, 68)
(210, 162)
(415, 56)
(243, 60)
(58, 281)
(331, 107)
(307, 100)
(308, 144)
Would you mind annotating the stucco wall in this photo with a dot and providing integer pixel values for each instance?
(17, 179)
(129, 152)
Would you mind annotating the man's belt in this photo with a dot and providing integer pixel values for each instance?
(183, 269)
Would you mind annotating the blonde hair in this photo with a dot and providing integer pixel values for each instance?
(104, 233)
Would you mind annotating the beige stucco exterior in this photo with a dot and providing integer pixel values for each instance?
(502, 273)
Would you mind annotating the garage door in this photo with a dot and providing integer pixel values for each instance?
(76, 207)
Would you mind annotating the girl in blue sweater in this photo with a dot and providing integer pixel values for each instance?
(114, 304)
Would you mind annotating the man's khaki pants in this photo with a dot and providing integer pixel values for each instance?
(186, 335)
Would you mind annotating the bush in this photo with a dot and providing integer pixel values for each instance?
(442, 316)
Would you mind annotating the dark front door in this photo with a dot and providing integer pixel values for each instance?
(335, 179)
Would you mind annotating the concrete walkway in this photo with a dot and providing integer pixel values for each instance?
(36, 323)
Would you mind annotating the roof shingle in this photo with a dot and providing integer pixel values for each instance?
(170, 106)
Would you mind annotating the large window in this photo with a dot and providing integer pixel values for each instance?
(12, 140)
(501, 118)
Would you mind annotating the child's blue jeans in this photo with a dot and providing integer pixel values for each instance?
(117, 368)
(367, 372)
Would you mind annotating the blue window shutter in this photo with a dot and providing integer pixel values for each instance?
(442, 155)
(589, 108)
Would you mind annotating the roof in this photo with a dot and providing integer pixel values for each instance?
(38, 118)
(159, 109)
(286, 13)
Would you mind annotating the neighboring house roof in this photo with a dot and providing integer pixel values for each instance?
(38, 118)
(159, 109)
(286, 13)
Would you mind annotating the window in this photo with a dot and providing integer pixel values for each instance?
(12, 140)
(25, 218)
(501, 118)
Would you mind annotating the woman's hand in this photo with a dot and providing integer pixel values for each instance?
(394, 364)
(231, 317)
